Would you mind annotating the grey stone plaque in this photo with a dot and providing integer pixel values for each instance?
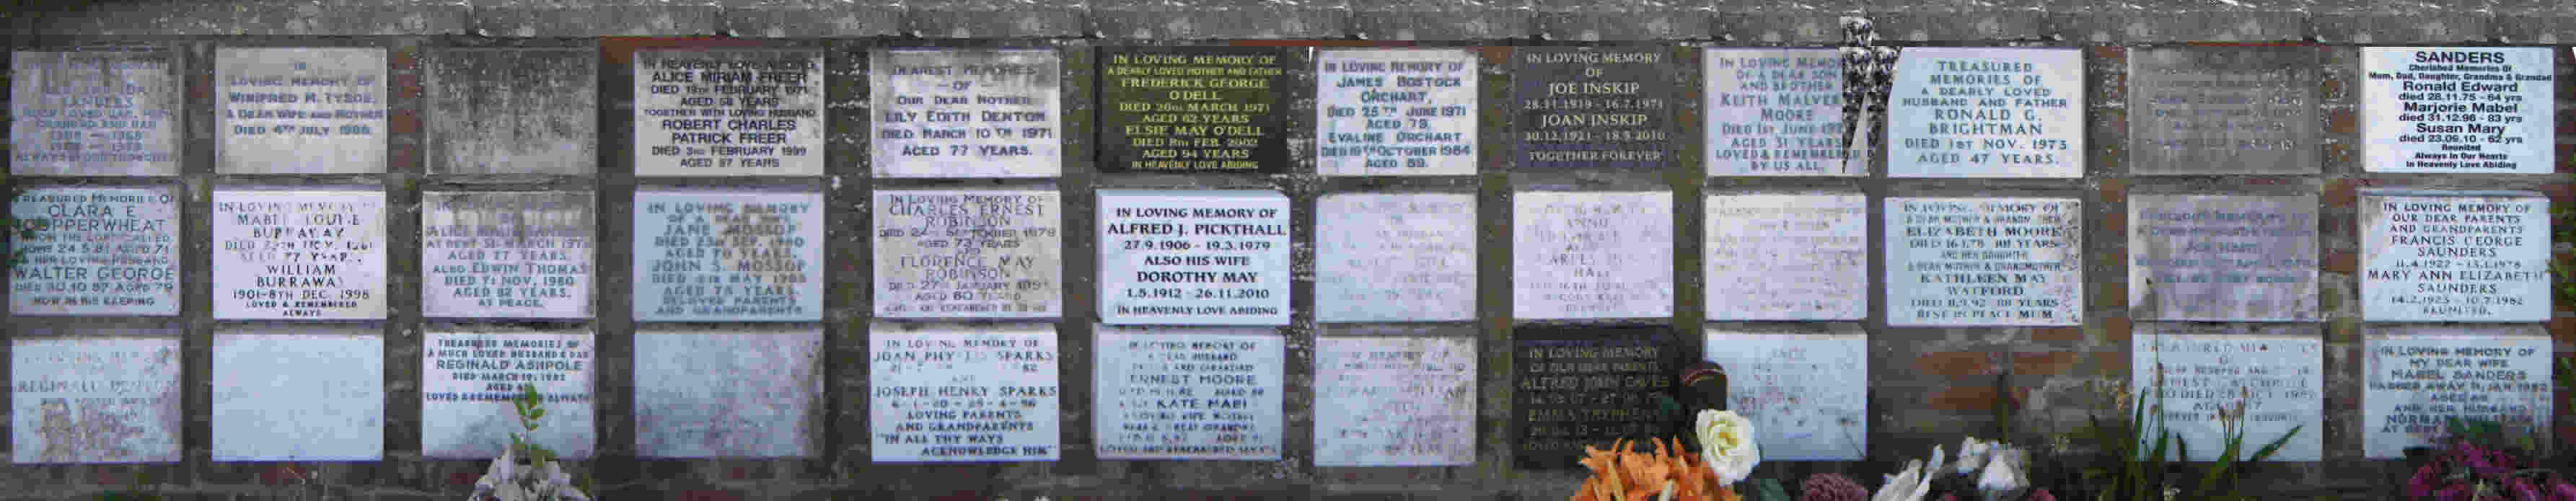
(1396, 112)
(469, 379)
(2418, 377)
(2273, 374)
(2218, 258)
(95, 399)
(1395, 401)
(1788, 257)
(728, 113)
(94, 113)
(1805, 390)
(299, 254)
(957, 393)
(299, 393)
(1194, 257)
(1777, 112)
(2223, 110)
(1987, 112)
(95, 251)
(969, 254)
(1592, 255)
(300, 110)
(2459, 109)
(728, 256)
(1395, 257)
(718, 393)
(2456, 256)
(513, 111)
(1187, 393)
(507, 254)
(1984, 261)
(966, 112)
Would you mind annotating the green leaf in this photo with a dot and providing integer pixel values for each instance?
(1770, 490)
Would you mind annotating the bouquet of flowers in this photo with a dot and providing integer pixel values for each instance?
(1727, 455)
(2466, 471)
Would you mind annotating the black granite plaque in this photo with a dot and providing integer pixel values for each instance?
(2223, 110)
(1591, 107)
(1578, 386)
(1196, 109)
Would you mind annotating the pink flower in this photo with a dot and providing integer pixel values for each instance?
(2040, 495)
(2564, 492)
(2523, 490)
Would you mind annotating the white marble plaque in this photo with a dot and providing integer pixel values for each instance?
(507, 254)
(966, 112)
(1395, 401)
(728, 113)
(2418, 378)
(1395, 112)
(2271, 375)
(2459, 109)
(1189, 393)
(1194, 257)
(728, 393)
(1806, 393)
(1777, 112)
(2218, 258)
(1592, 255)
(470, 379)
(95, 399)
(303, 255)
(969, 254)
(1788, 257)
(728, 256)
(94, 113)
(1985, 261)
(1987, 112)
(300, 110)
(310, 393)
(955, 393)
(95, 251)
(1395, 257)
(2454, 256)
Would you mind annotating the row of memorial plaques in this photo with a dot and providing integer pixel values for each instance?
(1953, 111)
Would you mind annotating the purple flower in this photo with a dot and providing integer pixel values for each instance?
(2523, 490)
(2564, 492)
(2452, 493)
(2421, 485)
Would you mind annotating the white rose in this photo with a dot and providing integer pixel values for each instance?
(1972, 455)
(1726, 444)
(2003, 476)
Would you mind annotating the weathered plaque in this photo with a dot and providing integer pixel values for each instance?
(470, 379)
(1984, 261)
(1596, 107)
(300, 110)
(95, 399)
(1195, 109)
(1579, 386)
(2459, 109)
(1788, 257)
(1193, 257)
(2223, 110)
(95, 251)
(728, 256)
(1193, 393)
(955, 393)
(94, 113)
(1987, 112)
(309, 393)
(2418, 378)
(2430, 256)
(1777, 112)
(2270, 377)
(1396, 112)
(299, 254)
(513, 111)
(1592, 254)
(507, 254)
(966, 112)
(1395, 257)
(2215, 258)
(969, 254)
(728, 393)
(728, 113)
(1807, 393)
(1395, 401)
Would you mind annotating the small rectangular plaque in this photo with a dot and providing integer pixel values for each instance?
(1596, 107)
(2217, 258)
(1592, 255)
(728, 113)
(95, 399)
(1807, 393)
(2417, 378)
(1985, 261)
(1395, 401)
(1196, 109)
(95, 251)
(470, 379)
(94, 113)
(2223, 110)
(955, 393)
(1395, 257)
(513, 111)
(735, 393)
(1396, 112)
(969, 254)
(506, 254)
(300, 110)
(2459, 109)
(2273, 375)
(1777, 112)
(299, 254)
(1987, 112)
(1194, 257)
(1191, 393)
(966, 112)
(299, 393)
(1788, 257)
(728, 256)
(1579, 386)
(2454, 256)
